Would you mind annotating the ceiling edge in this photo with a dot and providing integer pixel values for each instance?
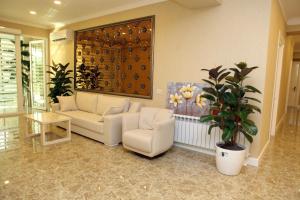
(25, 23)
(114, 10)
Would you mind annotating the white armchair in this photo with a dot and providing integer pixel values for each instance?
(150, 132)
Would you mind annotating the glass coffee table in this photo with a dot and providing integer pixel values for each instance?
(45, 119)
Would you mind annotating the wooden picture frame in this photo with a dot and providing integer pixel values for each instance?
(116, 58)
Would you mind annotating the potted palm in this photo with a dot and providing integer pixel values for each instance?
(231, 105)
(60, 81)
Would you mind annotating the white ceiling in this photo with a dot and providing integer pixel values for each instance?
(291, 10)
(49, 14)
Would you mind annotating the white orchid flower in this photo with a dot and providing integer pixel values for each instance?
(175, 99)
(200, 101)
(188, 91)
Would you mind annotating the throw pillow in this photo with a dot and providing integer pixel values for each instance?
(67, 103)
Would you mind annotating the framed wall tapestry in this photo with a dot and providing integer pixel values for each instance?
(116, 58)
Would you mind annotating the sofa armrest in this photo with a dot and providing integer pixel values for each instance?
(55, 107)
(163, 135)
(113, 129)
(130, 121)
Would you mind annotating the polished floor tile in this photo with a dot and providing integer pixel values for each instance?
(85, 169)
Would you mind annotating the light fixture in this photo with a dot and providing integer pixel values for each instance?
(2, 26)
(57, 2)
(6, 182)
(32, 12)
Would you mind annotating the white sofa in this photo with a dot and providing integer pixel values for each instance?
(90, 120)
(150, 132)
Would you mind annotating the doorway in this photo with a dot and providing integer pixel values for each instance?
(277, 80)
(34, 73)
(8, 74)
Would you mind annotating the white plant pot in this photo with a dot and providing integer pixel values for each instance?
(230, 162)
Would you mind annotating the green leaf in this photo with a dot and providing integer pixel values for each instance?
(210, 91)
(247, 136)
(206, 118)
(208, 97)
(209, 82)
(252, 89)
(230, 98)
(232, 79)
(222, 76)
(251, 129)
(241, 65)
(246, 71)
(253, 107)
(227, 135)
(253, 99)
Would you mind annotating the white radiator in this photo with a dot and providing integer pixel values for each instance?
(191, 133)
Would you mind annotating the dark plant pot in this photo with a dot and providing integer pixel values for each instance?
(230, 162)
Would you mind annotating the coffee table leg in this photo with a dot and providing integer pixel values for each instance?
(69, 130)
(26, 127)
(43, 134)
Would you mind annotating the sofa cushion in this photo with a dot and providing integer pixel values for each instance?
(90, 121)
(147, 117)
(86, 101)
(113, 110)
(67, 103)
(105, 102)
(139, 139)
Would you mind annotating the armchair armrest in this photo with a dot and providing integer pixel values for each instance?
(113, 129)
(130, 121)
(55, 107)
(163, 135)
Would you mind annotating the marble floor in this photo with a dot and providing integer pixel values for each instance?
(85, 169)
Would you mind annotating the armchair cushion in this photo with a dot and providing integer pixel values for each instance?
(147, 117)
(150, 116)
(138, 139)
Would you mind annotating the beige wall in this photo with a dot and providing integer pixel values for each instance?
(277, 27)
(27, 30)
(188, 40)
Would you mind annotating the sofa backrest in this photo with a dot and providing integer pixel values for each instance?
(86, 101)
(105, 102)
(149, 116)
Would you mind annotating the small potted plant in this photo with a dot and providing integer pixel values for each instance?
(231, 105)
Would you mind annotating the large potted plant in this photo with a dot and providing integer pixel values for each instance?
(60, 81)
(231, 104)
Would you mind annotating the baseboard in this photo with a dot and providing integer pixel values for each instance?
(249, 161)
(255, 161)
(252, 161)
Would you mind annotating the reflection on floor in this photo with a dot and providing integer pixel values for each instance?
(85, 169)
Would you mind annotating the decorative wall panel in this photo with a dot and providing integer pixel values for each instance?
(116, 58)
